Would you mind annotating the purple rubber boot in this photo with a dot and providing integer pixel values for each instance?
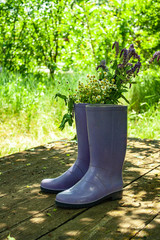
(107, 133)
(80, 167)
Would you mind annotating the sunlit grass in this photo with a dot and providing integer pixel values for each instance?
(144, 125)
(146, 92)
(15, 135)
(30, 114)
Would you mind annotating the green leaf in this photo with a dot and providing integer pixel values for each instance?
(125, 98)
(62, 97)
(70, 105)
(48, 214)
(66, 118)
(124, 90)
(10, 238)
(114, 66)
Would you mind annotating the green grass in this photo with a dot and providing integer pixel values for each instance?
(145, 125)
(30, 115)
(29, 112)
(146, 92)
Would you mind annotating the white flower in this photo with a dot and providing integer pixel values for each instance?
(98, 97)
(103, 88)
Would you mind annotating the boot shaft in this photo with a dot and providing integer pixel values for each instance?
(107, 132)
(82, 133)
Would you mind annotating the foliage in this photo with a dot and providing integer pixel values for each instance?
(29, 114)
(145, 124)
(66, 34)
(146, 92)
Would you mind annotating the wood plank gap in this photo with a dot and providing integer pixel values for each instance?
(3, 195)
(147, 223)
(141, 176)
(16, 205)
(15, 225)
(70, 219)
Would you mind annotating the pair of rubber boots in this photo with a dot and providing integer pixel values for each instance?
(97, 173)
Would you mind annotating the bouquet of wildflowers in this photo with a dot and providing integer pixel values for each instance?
(108, 85)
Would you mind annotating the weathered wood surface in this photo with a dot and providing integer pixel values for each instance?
(28, 214)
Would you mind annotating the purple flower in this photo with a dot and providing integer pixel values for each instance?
(132, 52)
(102, 65)
(134, 69)
(120, 65)
(129, 64)
(156, 54)
(124, 52)
(131, 47)
(116, 45)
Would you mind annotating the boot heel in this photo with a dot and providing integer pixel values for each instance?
(116, 195)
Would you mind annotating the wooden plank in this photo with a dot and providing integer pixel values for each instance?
(116, 220)
(29, 198)
(40, 223)
(20, 160)
(24, 196)
(123, 217)
(33, 156)
(151, 231)
(23, 203)
(23, 183)
(33, 174)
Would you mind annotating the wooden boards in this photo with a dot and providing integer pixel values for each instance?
(26, 213)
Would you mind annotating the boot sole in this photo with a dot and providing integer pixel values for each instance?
(112, 197)
(45, 190)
